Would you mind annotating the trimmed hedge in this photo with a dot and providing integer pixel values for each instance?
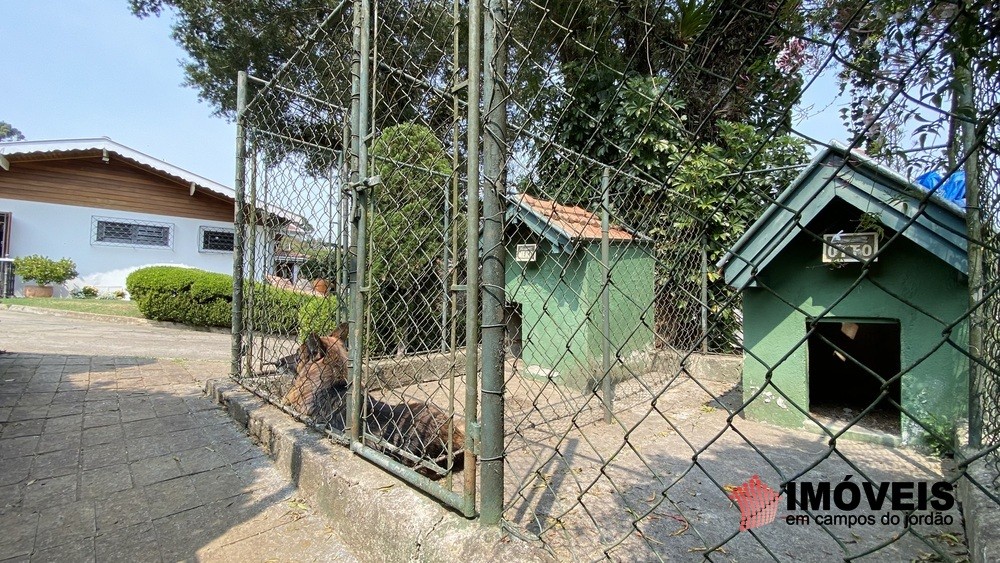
(183, 295)
(317, 316)
(200, 298)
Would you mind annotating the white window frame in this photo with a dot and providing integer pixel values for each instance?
(95, 231)
(201, 238)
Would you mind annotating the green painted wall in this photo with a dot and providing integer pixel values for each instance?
(630, 297)
(935, 389)
(561, 309)
(553, 312)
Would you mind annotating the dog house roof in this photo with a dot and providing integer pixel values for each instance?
(563, 225)
(924, 217)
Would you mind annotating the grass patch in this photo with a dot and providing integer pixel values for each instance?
(97, 306)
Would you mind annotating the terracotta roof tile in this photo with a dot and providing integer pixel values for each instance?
(575, 221)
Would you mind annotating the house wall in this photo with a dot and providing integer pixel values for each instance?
(561, 310)
(54, 202)
(630, 298)
(59, 231)
(553, 312)
(89, 182)
(935, 387)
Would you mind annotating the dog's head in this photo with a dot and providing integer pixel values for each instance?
(323, 359)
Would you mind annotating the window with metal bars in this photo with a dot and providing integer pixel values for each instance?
(214, 239)
(123, 232)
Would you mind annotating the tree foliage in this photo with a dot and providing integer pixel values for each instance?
(899, 66)
(262, 36)
(717, 55)
(407, 237)
(9, 133)
(682, 193)
(44, 270)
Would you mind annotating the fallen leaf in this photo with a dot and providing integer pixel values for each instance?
(647, 538)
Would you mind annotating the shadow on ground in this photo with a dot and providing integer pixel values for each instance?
(119, 458)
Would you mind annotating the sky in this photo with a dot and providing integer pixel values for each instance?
(89, 68)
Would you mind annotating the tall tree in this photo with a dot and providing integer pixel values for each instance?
(263, 36)
(9, 133)
(900, 60)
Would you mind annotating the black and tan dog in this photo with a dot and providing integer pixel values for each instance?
(322, 391)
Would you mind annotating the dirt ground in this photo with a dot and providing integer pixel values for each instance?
(654, 483)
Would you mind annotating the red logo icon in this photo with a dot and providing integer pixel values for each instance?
(758, 503)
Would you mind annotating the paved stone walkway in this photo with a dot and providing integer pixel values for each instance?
(122, 458)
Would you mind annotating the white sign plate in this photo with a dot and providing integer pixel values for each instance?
(863, 246)
(525, 252)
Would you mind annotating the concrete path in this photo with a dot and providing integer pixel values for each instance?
(109, 451)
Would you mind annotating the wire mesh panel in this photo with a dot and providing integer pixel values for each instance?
(295, 237)
(414, 349)
(352, 315)
(706, 331)
(711, 309)
(986, 365)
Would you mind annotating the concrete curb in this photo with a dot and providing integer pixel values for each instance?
(982, 518)
(383, 518)
(112, 318)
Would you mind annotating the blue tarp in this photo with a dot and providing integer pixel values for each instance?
(953, 188)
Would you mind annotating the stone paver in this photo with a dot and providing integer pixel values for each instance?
(107, 455)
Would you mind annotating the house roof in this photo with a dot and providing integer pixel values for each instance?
(26, 151)
(926, 218)
(561, 224)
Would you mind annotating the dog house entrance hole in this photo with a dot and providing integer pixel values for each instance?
(839, 385)
(513, 342)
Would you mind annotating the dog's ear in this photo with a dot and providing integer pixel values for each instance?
(341, 332)
(314, 348)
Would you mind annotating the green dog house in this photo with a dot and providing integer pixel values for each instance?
(798, 268)
(554, 279)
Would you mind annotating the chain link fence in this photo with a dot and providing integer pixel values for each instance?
(986, 390)
(593, 272)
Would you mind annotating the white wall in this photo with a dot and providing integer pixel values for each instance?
(58, 231)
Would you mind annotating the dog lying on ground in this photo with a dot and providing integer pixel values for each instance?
(322, 390)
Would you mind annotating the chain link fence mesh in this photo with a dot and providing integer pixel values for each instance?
(673, 337)
(986, 384)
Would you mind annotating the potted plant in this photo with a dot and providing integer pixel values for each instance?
(43, 271)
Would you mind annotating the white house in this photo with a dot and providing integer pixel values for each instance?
(111, 209)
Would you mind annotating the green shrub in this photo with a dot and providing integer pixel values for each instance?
(200, 298)
(43, 270)
(183, 295)
(317, 316)
(275, 311)
(322, 265)
(279, 311)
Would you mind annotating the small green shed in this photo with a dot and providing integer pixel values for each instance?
(816, 329)
(554, 283)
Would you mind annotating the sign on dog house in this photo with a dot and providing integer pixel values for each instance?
(554, 282)
(850, 283)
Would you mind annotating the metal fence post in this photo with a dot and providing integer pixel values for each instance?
(607, 383)
(495, 91)
(973, 219)
(239, 224)
(704, 293)
(472, 254)
(360, 68)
